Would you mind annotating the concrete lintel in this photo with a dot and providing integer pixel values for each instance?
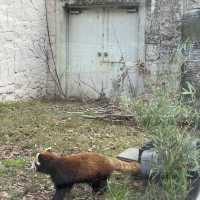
(101, 3)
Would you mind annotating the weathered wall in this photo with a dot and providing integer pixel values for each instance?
(191, 31)
(23, 71)
(162, 32)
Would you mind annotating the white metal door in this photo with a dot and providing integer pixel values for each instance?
(100, 41)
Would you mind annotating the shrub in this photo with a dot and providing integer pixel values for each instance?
(167, 119)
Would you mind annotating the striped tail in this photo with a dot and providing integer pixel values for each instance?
(122, 166)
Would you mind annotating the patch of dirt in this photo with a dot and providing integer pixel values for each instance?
(28, 127)
(12, 151)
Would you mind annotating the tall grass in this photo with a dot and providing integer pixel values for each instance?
(118, 191)
(168, 120)
(164, 109)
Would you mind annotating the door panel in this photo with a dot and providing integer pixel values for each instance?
(85, 43)
(121, 46)
(122, 35)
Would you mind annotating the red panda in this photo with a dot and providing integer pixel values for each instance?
(91, 168)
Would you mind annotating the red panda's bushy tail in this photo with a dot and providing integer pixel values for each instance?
(122, 166)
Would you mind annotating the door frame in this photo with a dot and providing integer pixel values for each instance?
(62, 21)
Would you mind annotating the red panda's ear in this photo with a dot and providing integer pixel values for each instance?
(49, 149)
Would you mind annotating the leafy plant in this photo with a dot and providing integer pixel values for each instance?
(167, 119)
(14, 163)
(178, 158)
(163, 110)
(189, 92)
(117, 191)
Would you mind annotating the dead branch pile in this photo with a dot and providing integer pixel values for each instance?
(111, 113)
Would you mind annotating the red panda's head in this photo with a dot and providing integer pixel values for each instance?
(43, 161)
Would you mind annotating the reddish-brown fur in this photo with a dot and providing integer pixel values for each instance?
(91, 168)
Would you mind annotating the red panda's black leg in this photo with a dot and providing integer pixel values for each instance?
(99, 186)
(61, 192)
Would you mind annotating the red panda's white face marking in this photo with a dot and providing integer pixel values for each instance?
(35, 163)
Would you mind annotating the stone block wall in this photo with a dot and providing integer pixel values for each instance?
(163, 33)
(23, 71)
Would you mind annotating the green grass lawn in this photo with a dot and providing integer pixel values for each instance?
(28, 127)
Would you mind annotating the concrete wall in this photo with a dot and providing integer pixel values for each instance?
(23, 71)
